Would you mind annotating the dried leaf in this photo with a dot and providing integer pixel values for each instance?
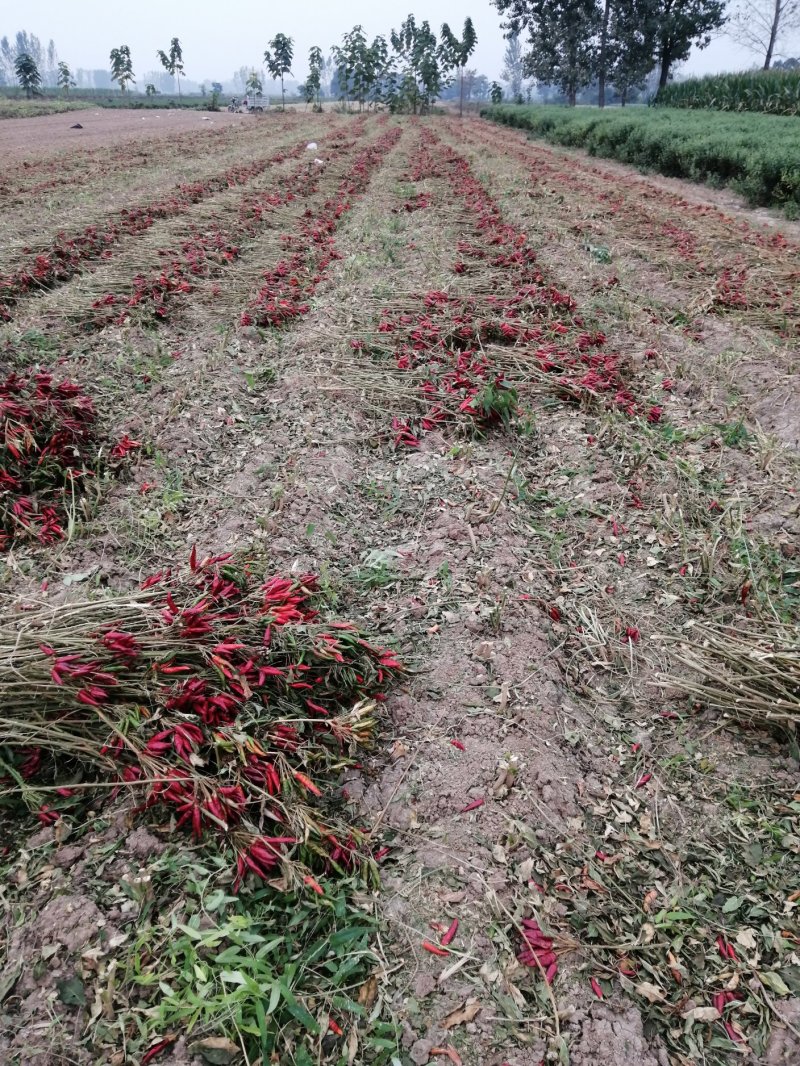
(746, 938)
(352, 1046)
(462, 1015)
(702, 1014)
(652, 993)
(649, 900)
(217, 1050)
(368, 992)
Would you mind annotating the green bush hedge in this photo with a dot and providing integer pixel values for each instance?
(757, 155)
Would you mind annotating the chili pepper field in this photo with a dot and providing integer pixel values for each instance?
(400, 588)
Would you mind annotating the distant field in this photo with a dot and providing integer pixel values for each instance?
(19, 107)
(776, 92)
(756, 155)
(13, 103)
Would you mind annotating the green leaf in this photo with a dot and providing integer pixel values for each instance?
(732, 904)
(71, 991)
(775, 982)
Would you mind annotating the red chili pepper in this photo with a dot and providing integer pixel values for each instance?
(333, 1027)
(313, 885)
(458, 744)
(643, 780)
(157, 1049)
(306, 782)
(733, 1035)
(451, 932)
(473, 806)
(596, 987)
(434, 949)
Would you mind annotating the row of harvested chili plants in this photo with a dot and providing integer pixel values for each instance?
(748, 271)
(69, 254)
(287, 288)
(52, 448)
(504, 327)
(209, 249)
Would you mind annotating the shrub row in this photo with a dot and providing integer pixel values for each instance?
(757, 155)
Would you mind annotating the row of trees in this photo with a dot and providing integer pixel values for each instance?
(122, 65)
(23, 43)
(406, 71)
(574, 43)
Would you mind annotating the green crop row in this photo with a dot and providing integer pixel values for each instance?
(776, 92)
(756, 155)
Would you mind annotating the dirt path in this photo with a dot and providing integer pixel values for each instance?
(34, 139)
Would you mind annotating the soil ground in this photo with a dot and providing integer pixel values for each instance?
(47, 135)
(541, 564)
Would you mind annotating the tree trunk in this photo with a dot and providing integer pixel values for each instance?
(571, 95)
(776, 18)
(461, 96)
(283, 96)
(603, 56)
(624, 96)
(664, 75)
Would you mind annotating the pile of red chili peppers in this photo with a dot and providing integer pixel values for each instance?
(220, 698)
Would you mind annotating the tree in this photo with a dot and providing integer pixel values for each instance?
(604, 53)
(150, 89)
(496, 93)
(632, 32)
(51, 64)
(456, 53)
(24, 43)
(254, 84)
(682, 23)
(380, 72)
(122, 67)
(173, 62)
(760, 25)
(360, 68)
(512, 72)
(313, 85)
(562, 35)
(65, 79)
(216, 87)
(420, 75)
(28, 75)
(279, 60)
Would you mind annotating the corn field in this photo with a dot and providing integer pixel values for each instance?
(776, 92)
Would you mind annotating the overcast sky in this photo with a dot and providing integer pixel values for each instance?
(218, 38)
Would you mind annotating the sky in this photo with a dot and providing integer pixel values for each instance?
(218, 39)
